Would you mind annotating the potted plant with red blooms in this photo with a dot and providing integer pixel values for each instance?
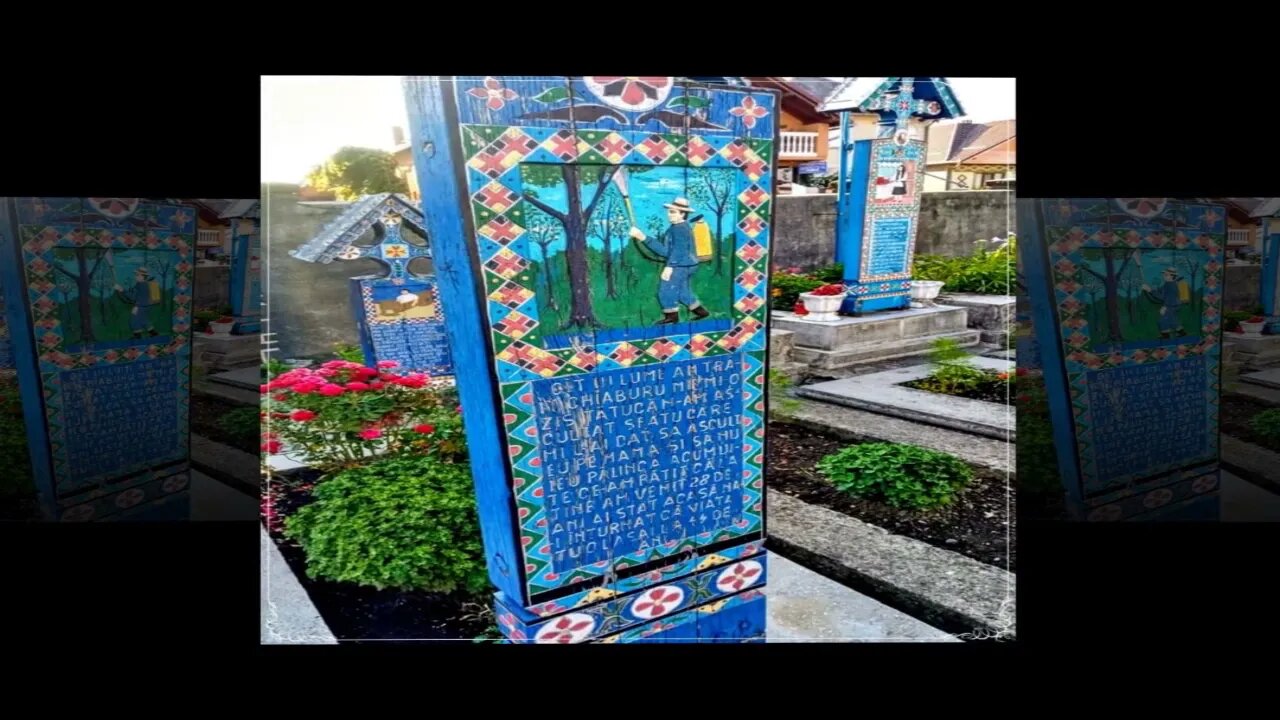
(823, 302)
(222, 326)
(343, 414)
(1253, 326)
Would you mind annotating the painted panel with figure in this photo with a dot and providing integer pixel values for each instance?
(621, 228)
(1134, 287)
(108, 305)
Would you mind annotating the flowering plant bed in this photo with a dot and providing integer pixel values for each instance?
(335, 414)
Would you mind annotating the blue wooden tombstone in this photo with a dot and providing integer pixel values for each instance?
(6, 347)
(610, 343)
(246, 266)
(1269, 233)
(398, 314)
(1126, 297)
(98, 303)
(882, 168)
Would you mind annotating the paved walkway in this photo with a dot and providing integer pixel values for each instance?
(1242, 501)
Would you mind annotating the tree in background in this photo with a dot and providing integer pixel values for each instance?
(711, 189)
(353, 171)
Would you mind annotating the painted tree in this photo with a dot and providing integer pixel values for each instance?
(1114, 264)
(104, 284)
(1131, 282)
(543, 232)
(1094, 289)
(712, 189)
(611, 221)
(82, 281)
(575, 220)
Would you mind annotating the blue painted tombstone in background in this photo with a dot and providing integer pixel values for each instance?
(103, 288)
(1126, 296)
(617, 445)
(246, 266)
(882, 167)
(6, 349)
(398, 315)
(1269, 233)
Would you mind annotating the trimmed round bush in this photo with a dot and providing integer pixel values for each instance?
(897, 474)
(407, 523)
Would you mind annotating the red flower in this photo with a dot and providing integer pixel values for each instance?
(331, 390)
(564, 629)
(264, 389)
(302, 415)
(304, 388)
(327, 372)
(376, 385)
(357, 386)
(272, 446)
(281, 397)
(493, 91)
(387, 363)
(750, 111)
(412, 381)
(424, 429)
(800, 309)
(366, 372)
(370, 433)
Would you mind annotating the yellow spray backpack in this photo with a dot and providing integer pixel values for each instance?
(703, 248)
(153, 288)
(1184, 291)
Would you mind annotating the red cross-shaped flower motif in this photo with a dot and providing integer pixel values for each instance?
(636, 91)
(741, 575)
(563, 145)
(1210, 218)
(657, 602)
(751, 252)
(496, 197)
(493, 93)
(511, 294)
(500, 230)
(614, 147)
(572, 628)
(750, 111)
(625, 353)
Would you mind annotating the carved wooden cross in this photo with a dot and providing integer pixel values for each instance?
(903, 105)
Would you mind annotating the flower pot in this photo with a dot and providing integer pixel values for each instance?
(222, 328)
(822, 308)
(923, 292)
(1252, 329)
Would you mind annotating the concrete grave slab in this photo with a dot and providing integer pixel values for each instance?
(807, 607)
(248, 378)
(1267, 378)
(882, 392)
(288, 616)
(944, 588)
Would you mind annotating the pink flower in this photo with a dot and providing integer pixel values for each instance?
(302, 415)
(331, 390)
(335, 364)
(305, 388)
(376, 385)
(425, 429)
(370, 433)
(496, 95)
(749, 111)
(388, 363)
(365, 372)
(357, 386)
(264, 389)
(327, 372)
(272, 446)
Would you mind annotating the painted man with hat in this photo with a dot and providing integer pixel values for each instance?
(139, 296)
(1169, 298)
(676, 248)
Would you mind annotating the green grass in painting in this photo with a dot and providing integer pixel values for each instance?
(636, 289)
(110, 318)
(1139, 319)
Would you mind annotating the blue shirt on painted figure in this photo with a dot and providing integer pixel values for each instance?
(1169, 299)
(676, 245)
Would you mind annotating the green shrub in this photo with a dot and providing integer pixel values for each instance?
(785, 289)
(16, 479)
(407, 523)
(242, 422)
(830, 273)
(953, 370)
(990, 272)
(349, 352)
(1267, 424)
(900, 475)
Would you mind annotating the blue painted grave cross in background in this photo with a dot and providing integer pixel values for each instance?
(246, 266)
(398, 314)
(617, 443)
(1269, 233)
(97, 298)
(1126, 301)
(882, 122)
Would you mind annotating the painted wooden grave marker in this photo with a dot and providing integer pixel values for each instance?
(246, 267)
(882, 121)
(98, 301)
(1126, 297)
(602, 245)
(398, 314)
